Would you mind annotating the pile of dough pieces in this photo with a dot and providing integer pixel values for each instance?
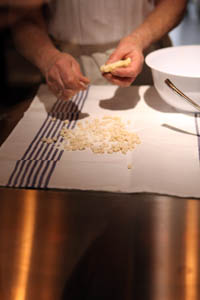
(101, 135)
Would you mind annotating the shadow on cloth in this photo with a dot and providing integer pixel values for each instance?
(69, 111)
(62, 109)
(123, 99)
(153, 99)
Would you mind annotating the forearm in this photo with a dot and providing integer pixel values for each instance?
(165, 17)
(32, 41)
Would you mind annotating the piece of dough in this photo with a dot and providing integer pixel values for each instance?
(118, 64)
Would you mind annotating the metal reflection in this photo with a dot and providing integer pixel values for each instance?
(192, 251)
(53, 236)
(162, 251)
(25, 245)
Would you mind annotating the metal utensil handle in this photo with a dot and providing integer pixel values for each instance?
(176, 90)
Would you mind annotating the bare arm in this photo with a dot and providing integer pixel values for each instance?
(61, 70)
(166, 15)
(32, 40)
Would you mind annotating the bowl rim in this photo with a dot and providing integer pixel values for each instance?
(155, 52)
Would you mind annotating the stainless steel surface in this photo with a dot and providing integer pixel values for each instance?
(180, 93)
(58, 245)
(78, 245)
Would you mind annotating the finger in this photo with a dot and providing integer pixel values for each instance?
(55, 91)
(69, 80)
(121, 81)
(115, 56)
(125, 72)
(53, 77)
(84, 86)
(59, 79)
(68, 75)
(82, 80)
(68, 94)
(131, 70)
(74, 83)
(54, 82)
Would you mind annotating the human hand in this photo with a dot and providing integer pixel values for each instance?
(64, 76)
(125, 76)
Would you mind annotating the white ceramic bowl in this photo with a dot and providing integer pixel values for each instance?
(181, 65)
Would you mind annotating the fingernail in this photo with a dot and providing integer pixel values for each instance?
(85, 85)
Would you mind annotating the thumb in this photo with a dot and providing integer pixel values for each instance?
(77, 71)
(115, 56)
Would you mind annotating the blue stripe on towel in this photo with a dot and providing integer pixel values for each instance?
(41, 129)
(48, 149)
(52, 167)
(38, 162)
(36, 166)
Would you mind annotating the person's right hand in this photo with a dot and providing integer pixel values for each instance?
(64, 76)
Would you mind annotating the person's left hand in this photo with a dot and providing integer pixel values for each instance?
(124, 76)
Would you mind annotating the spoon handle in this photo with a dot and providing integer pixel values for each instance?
(176, 90)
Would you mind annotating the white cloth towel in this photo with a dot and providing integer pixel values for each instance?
(167, 161)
